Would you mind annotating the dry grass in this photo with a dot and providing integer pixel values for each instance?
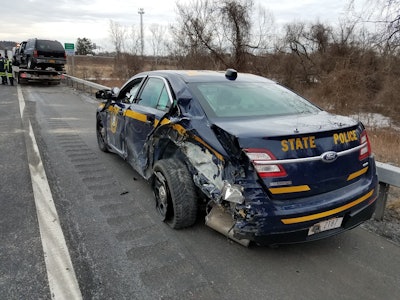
(90, 67)
(385, 145)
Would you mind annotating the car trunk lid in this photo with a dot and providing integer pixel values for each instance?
(296, 156)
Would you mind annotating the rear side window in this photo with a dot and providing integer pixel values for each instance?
(49, 45)
(246, 99)
(155, 94)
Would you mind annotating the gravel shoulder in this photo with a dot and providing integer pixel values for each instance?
(389, 227)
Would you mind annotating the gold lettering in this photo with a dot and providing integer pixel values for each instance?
(335, 138)
(285, 146)
(305, 141)
(291, 141)
(345, 137)
(312, 142)
(299, 144)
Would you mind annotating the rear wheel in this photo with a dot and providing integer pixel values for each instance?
(101, 134)
(175, 194)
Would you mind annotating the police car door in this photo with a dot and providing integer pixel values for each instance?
(152, 102)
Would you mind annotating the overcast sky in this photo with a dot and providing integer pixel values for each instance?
(67, 20)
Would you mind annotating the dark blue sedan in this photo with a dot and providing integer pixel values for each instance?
(264, 164)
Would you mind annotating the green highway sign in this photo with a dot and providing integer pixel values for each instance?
(69, 48)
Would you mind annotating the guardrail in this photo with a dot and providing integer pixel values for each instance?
(387, 174)
(81, 84)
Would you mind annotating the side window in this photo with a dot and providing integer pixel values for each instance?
(30, 44)
(129, 91)
(163, 102)
(154, 94)
(133, 91)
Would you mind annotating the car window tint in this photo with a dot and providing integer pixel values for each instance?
(49, 45)
(129, 90)
(132, 93)
(152, 92)
(163, 102)
(242, 99)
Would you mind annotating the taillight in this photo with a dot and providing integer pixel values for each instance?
(365, 151)
(35, 53)
(261, 159)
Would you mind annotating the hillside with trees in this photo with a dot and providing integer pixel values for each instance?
(349, 67)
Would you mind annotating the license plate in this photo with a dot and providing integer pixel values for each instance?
(52, 61)
(325, 225)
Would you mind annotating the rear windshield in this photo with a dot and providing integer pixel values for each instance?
(46, 45)
(246, 99)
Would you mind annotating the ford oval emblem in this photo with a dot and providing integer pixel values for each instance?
(329, 156)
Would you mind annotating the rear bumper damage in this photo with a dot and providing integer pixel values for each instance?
(351, 219)
(267, 222)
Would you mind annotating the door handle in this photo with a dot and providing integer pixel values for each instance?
(150, 119)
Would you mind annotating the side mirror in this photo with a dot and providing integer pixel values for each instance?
(115, 91)
(107, 93)
(103, 94)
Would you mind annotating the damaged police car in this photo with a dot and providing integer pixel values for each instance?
(266, 165)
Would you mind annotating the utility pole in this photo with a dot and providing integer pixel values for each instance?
(141, 12)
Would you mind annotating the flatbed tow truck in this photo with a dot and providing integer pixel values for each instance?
(49, 76)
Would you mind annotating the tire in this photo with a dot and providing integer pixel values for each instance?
(175, 194)
(101, 134)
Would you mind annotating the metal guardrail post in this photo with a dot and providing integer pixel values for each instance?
(387, 175)
(381, 201)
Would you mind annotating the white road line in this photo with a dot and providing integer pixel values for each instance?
(60, 271)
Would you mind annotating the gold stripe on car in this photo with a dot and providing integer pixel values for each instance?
(328, 212)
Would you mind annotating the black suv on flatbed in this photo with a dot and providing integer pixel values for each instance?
(41, 54)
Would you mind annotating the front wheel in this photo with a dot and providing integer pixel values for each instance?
(174, 190)
(101, 134)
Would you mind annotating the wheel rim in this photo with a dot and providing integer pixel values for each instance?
(161, 193)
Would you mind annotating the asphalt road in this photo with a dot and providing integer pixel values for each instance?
(121, 250)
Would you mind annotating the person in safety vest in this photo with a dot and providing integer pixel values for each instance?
(3, 70)
(9, 71)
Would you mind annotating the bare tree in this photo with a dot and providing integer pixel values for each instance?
(117, 34)
(222, 30)
(157, 40)
(385, 15)
(263, 36)
(134, 45)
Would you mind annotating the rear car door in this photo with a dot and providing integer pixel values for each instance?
(150, 105)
